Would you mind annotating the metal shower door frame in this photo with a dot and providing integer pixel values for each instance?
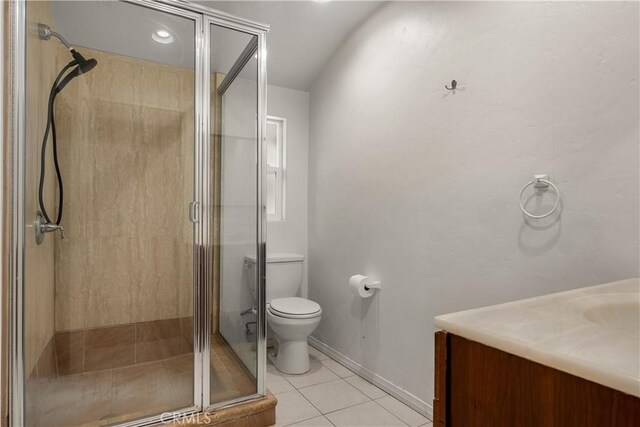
(203, 17)
(228, 21)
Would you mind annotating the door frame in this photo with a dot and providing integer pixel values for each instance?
(202, 239)
(260, 31)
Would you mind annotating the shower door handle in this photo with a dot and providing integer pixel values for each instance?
(194, 210)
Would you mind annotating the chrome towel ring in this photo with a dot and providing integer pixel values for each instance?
(540, 182)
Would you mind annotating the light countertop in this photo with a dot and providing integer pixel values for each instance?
(592, 332)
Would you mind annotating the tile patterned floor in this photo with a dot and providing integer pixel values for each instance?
(331, 395)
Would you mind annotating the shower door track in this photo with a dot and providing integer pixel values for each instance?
(203, 17)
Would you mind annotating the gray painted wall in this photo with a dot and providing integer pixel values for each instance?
(419, 187)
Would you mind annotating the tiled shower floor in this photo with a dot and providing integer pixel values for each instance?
(110, 396)
(331, 395)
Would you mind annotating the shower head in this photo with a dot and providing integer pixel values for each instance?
(84, 65)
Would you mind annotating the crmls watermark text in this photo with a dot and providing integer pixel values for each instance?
(182, 419)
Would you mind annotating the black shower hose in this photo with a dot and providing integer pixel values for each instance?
(51, 126)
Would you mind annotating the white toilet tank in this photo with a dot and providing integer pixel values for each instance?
(284, 275)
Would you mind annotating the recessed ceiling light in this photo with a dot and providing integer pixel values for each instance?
(162, 36)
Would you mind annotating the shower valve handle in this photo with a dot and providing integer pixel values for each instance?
(43, 227)
(48, 228)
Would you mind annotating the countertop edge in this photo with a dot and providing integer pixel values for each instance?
(624, 384)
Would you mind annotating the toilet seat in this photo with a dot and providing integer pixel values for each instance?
(295, 308)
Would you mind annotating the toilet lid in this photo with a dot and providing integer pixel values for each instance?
(294, 306)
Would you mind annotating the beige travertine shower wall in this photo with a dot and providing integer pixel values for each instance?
(41, 70)
(126, 153)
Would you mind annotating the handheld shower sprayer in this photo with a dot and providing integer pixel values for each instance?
(83, 65)
(80, 65)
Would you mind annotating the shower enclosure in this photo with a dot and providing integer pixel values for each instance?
(138, 312)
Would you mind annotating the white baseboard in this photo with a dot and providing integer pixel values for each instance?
(399, 393)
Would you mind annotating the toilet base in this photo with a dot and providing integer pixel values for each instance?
(291, 333)
(293, 357)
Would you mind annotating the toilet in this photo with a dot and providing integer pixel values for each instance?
(292, 319)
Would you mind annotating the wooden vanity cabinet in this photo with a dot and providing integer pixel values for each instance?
(477, 385)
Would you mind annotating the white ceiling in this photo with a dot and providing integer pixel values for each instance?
(303, 36)
(124, 29)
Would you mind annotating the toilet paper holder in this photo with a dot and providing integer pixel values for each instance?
(363, 287)
(373, 285)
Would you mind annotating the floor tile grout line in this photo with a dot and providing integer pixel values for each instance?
(348, 407)
(325, 382)
(310, 402)
(305, 398)
(307, 419)
(353, 406)
(352, 373)
(339, 379)
(388, 395)
(287, 381)
(370, 383)
(392, 414)
(282, 376)
(324, 413)
(311, 385)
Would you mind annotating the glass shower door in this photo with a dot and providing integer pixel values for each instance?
(235, 156)
(108, 310)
